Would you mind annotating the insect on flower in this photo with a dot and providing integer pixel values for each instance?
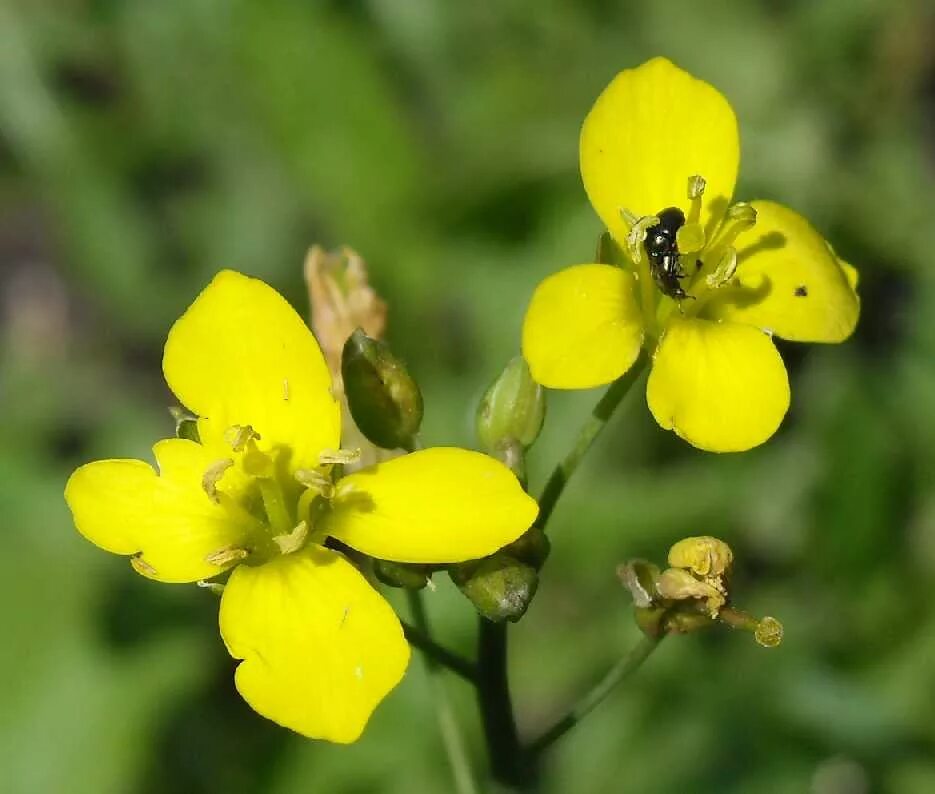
(659, 153)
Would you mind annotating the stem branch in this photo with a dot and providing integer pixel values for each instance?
(419, 638)
(447, 722)
(625, 667)
(588, 433)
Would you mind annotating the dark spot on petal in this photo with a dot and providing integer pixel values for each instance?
(697, 264)
(801, 291)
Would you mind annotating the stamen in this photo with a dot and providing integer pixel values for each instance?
(212, 476)
(141, 566)
(725, 270)
(237, 436)
(739, 218)
(316, 481)
(637, 235)
(228, 554)
(294, 540)
(213, 587)
(328, 456)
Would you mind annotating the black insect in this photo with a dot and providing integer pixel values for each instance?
(664, 260)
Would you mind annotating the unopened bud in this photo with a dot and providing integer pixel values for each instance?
(405, 575)
(532, 548)
(500, 587)
(512, 409)
(383, 398)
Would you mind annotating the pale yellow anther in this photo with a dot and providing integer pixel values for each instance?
(316, 481)
(696, 188)
(768, 632)
(637, 235)
(141, 566)
(212, 587)
(702, 555)
(677, 584)
(237, 436)
(212, 476)
(329, 456)
(725, 270)
(294, 540)
(228, 554)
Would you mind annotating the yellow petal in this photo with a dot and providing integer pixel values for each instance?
(320, 647)
(650, 130)
(789, 281)
(241, 355)
(583, 327)
(433, 506)
(123, 506)
(720, 386)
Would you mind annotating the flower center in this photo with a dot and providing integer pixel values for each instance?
(673, 253)
(256, 485)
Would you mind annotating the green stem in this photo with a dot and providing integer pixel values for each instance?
(507, 761)
(588, 433)
(418, 638)
(447, 722)
(618, 673)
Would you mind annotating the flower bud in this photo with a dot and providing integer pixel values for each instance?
(382, 397)
(409, 576)
(500, 587)
(512, 409)
(531, 548)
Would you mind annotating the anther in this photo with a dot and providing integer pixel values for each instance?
(637, 234)
(725, 270)
(294, 540)
(328, 456)
(228, 554)
(212, 587)
(212, 476)
(141, 566)
(237, 436)
(315, 480)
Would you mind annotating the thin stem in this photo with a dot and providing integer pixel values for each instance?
(419, 638)
(629, 664)
(447, 722)
(496, 708)
(589, 432)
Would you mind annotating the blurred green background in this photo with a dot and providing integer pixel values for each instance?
(144, 145)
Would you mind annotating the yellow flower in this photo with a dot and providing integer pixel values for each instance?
(320, 647)
(661, 147)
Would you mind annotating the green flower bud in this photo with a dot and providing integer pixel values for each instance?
(406, 575)
(512, 409)
(383, 398)
(532, 548)
(500, 587)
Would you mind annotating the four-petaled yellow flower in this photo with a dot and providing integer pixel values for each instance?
(320, 647)
(659, 142)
